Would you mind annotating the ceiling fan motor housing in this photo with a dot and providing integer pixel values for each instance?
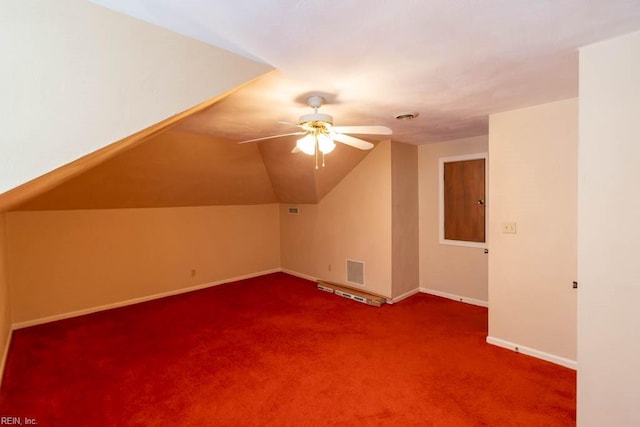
(315, 117)
(315, 121)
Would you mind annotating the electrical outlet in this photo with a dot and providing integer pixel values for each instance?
(509, 227)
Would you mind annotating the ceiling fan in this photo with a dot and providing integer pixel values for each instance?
(320, 134)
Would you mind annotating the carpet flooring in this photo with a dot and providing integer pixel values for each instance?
(275, 351)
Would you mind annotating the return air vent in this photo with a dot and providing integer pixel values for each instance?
(355, 272)
(292, 210)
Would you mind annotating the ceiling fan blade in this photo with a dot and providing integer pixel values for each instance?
(364, 130)
(287, 123)
(296, 150)
(354, 142)
(270, 137)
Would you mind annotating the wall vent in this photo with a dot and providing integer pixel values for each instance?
(293, 210)
(355, 272)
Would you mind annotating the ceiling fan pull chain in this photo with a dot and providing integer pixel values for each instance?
(316, 150)
(323, 159)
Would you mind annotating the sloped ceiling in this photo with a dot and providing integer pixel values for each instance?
(177, 168)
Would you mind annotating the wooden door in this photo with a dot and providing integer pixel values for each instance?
(464, 200)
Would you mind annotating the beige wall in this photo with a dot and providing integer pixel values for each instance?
(66, 261)
(5, 307)
(353, 221)
(404, 219)
(533, 182)
(609, 233)
(77, 76)
(455, 270)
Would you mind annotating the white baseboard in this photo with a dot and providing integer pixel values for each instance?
(82, 312)
(300, 275)
(458, 298)
(5, 354)
(403, 296)
(568, 363)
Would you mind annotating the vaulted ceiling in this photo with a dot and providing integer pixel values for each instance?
(176, 168)
(453, 62)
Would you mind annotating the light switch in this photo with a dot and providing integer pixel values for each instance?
(509, 227)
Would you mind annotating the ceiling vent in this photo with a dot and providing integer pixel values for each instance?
(406, 116)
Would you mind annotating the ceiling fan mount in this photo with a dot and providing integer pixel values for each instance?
(315, 120)
(315, 101)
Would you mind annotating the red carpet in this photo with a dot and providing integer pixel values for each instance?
(276, 351)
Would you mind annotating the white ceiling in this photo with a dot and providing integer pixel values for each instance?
(455, 61)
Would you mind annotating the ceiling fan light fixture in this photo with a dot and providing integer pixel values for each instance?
(321, 140)
(307, 144)
(325, 143)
